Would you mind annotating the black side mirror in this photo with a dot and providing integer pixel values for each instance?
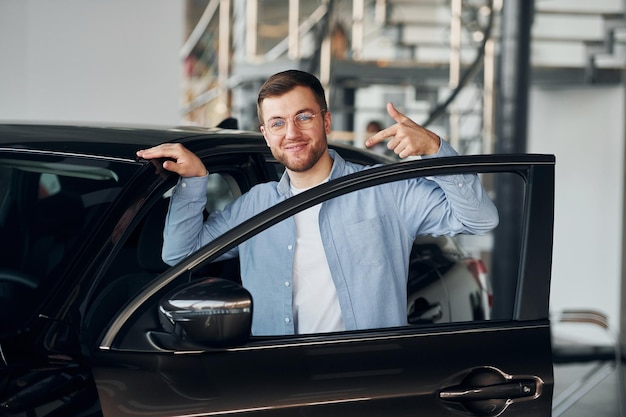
(213, 311)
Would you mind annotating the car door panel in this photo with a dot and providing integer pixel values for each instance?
(399, 374)
(485, 367)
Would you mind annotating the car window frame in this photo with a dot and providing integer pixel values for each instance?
(533, 242)
(158, 185)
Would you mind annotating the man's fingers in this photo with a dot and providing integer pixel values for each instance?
(166, 150)
(406, 137)
(378, 137)
(173, 166)
(391, 131)
(395, 114)
(176, 159)
(173, 155)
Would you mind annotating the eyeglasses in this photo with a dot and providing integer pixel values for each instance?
(304, 120)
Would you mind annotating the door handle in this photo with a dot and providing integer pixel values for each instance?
(487, 391)
(507, 390)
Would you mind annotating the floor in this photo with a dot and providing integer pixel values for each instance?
(600, 401)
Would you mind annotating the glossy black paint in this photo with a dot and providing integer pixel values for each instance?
(388, 373)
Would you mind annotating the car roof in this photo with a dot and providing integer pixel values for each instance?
(123, 141)
(114, 141)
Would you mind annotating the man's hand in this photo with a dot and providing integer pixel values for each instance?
(406, 138)
(178, 159)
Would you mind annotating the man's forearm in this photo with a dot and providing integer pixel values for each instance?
(183, 224)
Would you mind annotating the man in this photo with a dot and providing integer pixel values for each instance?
(343, 264)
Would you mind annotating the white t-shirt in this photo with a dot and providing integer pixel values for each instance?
(315, 303)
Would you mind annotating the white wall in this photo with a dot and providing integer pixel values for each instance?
(584, 128)
(112, 61)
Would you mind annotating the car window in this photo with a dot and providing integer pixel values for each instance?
(450, 278)
(138, 261)
(455, 271)
(47, 207)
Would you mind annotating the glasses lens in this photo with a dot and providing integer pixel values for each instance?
(302, 121)
(277, 126)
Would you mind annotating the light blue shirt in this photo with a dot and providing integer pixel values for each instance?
(368, 236)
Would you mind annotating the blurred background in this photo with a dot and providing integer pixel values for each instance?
(543, 76)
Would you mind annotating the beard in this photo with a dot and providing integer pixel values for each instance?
(303, 162)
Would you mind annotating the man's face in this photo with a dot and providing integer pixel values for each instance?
(298, 149)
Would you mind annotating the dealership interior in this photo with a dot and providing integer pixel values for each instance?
(490, 76)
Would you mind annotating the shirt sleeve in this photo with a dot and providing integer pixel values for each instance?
(464, 207)
(183, 229)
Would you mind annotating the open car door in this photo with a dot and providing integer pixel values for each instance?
(182, 346)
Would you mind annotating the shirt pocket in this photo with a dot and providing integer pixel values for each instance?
(365, 243)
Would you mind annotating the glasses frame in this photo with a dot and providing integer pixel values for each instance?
(295, 122)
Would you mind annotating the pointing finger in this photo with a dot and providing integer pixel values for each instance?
(395, 114)
(381, 136)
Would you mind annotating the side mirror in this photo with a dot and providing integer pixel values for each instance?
(214, 311)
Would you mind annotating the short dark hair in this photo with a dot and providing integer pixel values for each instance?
(285, 81)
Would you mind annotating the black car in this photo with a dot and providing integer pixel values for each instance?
(94, 323)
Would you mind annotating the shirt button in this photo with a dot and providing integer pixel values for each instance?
(287, 320)
(183, 184)
(290, 247)
(460, 185)
(287, 283)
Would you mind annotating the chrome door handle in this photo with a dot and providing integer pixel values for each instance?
(513, 389)
(487, 391)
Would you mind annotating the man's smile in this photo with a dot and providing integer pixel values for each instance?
(296, 147)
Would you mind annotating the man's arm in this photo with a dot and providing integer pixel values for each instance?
(467, 207)
(467, 199)
(183, 232)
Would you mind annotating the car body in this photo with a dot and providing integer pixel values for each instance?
(93, 322)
